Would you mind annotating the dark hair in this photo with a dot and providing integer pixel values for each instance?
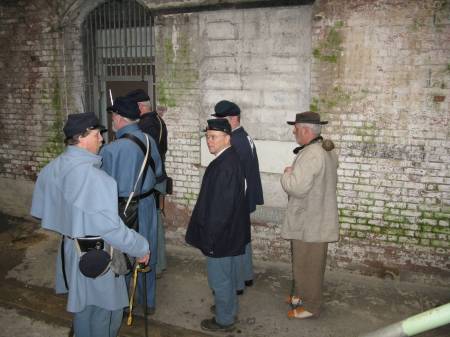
(75, 139)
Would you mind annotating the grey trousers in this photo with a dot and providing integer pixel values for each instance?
(308, 267)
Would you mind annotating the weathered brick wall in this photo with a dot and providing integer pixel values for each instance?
(381, 75)
(178, 92)
(31, 90)
(41, 71)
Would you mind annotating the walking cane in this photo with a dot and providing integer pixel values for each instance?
(142, 269)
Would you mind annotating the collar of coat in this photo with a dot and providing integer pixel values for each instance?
(315, 140)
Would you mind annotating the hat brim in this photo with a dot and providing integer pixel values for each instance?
(308, 122)
(217, 129)
(99, 127)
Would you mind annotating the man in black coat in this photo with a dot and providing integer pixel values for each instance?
(246, 149)
(220, 223)
(149, 121)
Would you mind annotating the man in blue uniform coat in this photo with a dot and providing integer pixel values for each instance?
(152, 124)
(246, 149)
(73, 197)
(220, 223)
(122, 159)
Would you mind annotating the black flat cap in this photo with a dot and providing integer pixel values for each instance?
(79, 123)
(226, 108)
(307, 117)
(125, 107)
(138, 95)
(219, 124)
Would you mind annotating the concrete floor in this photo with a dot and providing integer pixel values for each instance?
(353, 304)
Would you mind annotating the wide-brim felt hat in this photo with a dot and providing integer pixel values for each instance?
(307, 117)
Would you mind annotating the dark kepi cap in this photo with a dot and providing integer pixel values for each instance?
(307, 117)
(79, 123)
(226, 108)
(125, 107)
(219, 124)
(138, 95)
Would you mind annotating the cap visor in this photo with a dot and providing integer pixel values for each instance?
(291, 123)
(99, 127)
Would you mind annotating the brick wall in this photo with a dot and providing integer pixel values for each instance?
(40, 62)
(381, 76)
(30, 90)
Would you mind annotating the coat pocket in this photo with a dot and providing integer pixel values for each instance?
(297, 206)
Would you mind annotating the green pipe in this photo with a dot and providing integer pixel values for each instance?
(427, 320)
(414, 325)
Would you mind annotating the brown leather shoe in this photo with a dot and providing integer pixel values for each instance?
(299, 312)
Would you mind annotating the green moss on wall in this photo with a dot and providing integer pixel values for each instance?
(55, 142)
(336, 97)
(163, 93)
(176, 71)
(330, 48)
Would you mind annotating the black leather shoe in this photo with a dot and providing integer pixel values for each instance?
(240, 292)
(248, 283)
(138, 310)
(212, 325)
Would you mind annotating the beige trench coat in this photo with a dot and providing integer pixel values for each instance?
(312, 214)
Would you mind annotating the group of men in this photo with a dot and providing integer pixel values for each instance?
(86, 192)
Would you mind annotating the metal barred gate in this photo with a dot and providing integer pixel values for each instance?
(118, 53)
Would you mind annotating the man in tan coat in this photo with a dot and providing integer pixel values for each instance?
(312, 216)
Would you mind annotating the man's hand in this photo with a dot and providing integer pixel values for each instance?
(144, 259)
(288, 169)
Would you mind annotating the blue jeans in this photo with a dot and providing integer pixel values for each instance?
(94, 321)
(222, 280)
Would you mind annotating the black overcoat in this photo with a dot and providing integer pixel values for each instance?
(152, 124)
(220, 222)
(246, 150)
